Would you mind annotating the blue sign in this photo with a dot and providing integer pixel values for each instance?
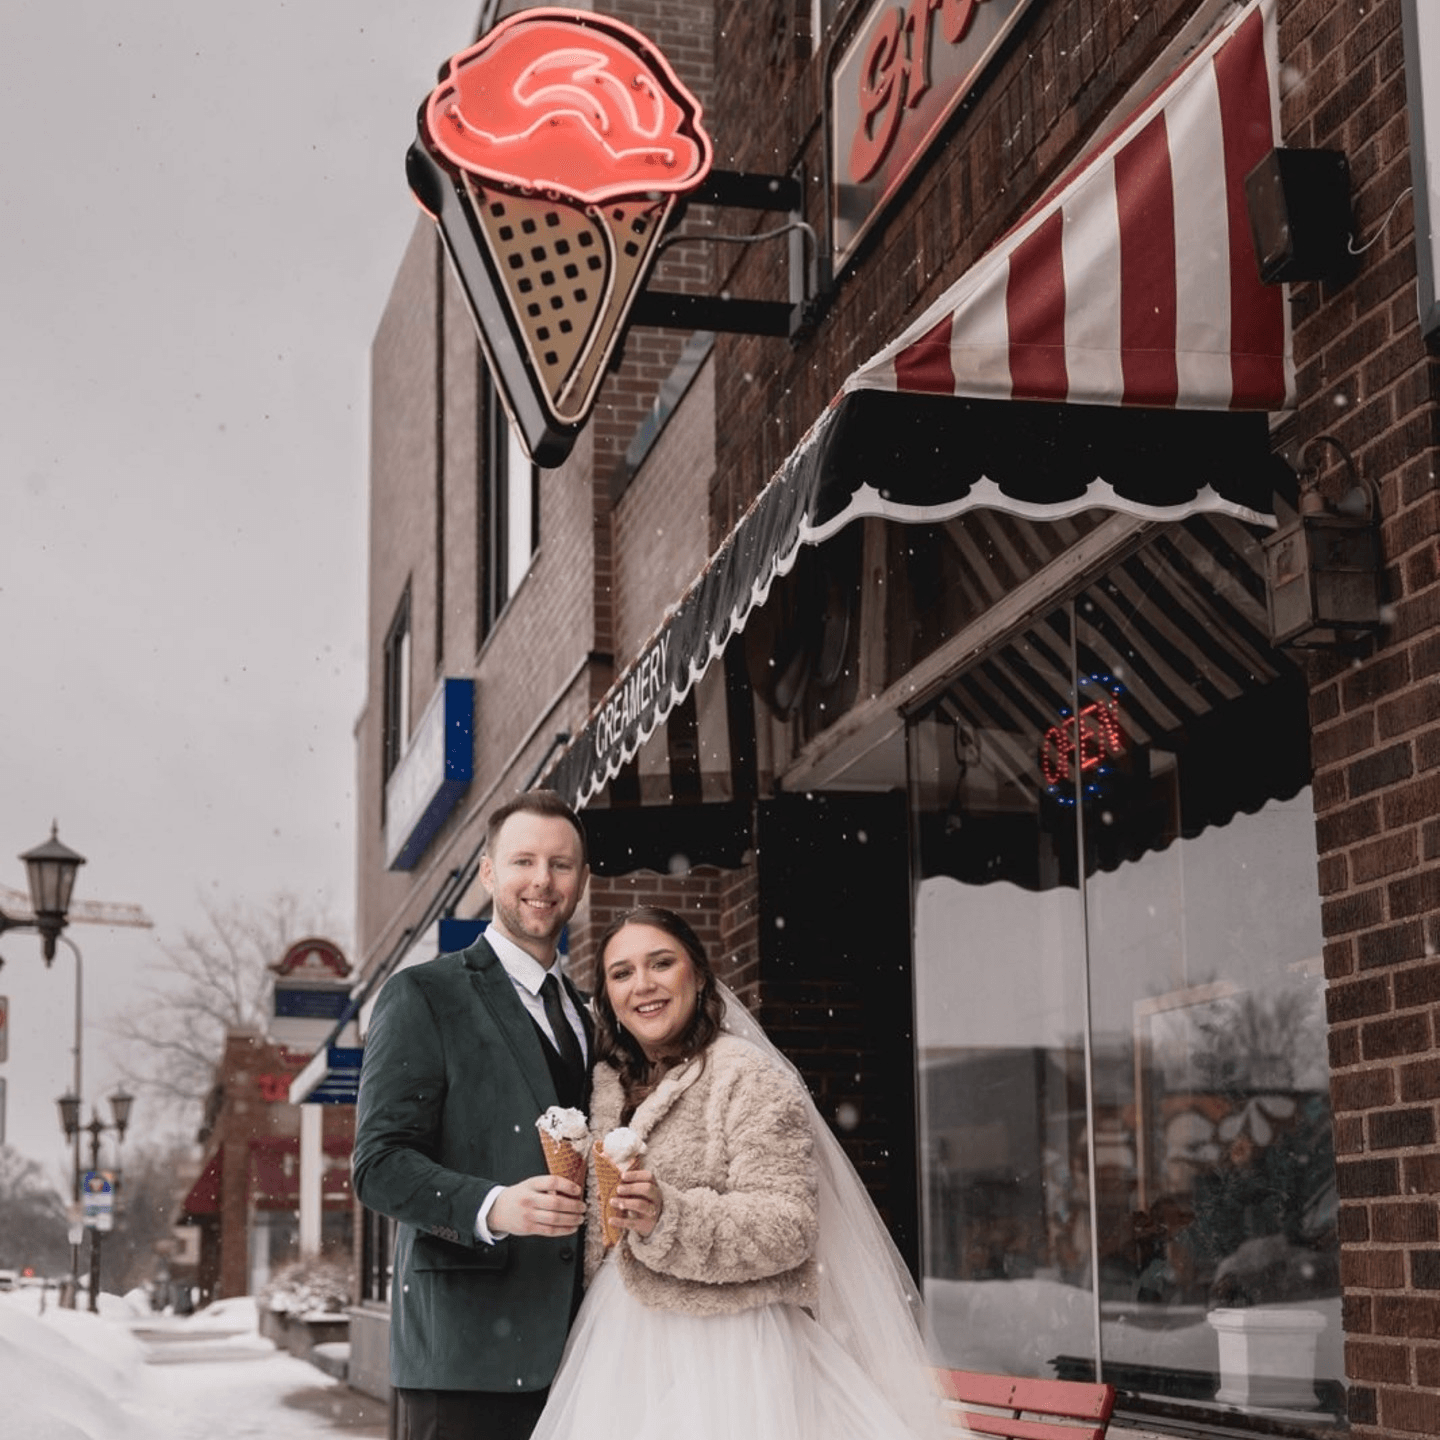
(432, 774)
(341, 1082)
(298, 1003)
(458, 934)
(97, 1200)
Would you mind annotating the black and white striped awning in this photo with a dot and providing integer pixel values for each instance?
(945, 458)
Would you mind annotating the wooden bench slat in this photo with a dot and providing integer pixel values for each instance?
(1009, 1428)
(1079, 1399)
(1041, 1409)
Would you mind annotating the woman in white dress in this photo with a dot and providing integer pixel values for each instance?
(754, 1293)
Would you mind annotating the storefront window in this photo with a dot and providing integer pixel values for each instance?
(1000, 1020)
(1140, 1039)
(377, 1247)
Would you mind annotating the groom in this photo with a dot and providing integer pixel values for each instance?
(463, 1054)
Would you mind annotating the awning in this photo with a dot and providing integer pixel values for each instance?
(683, 799)
(275, 1173)
(1079, 365)
(1134, 282)
(204, 1195)
(1180, 691)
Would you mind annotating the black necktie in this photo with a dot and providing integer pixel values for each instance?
(565, 1041)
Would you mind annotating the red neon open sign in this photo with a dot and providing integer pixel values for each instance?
(1085, 743)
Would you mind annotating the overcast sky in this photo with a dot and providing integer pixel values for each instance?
(202, 210)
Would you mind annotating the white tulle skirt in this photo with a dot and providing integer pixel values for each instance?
(635, 1373)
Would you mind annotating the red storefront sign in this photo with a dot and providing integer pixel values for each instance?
(899, 80)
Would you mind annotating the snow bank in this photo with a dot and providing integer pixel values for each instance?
(64, 1373)
(128, 1374)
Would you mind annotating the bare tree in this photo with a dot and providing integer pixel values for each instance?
(32, 1218)
(208, 983)
(145, 1213)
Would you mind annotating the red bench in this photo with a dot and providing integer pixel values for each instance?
(1036, 1409)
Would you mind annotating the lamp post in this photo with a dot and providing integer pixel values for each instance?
(50, 869)
(120, 1104)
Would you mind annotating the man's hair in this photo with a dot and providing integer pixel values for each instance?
(536, 802)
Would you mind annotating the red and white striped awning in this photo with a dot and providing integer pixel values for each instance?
(1123, 316)
(1133, 281)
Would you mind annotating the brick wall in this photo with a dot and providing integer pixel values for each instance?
(682, 30)
(402, 529)
(660, 537)
(1366, 379)
(548, 659)
(694, 895)
(1067, 65)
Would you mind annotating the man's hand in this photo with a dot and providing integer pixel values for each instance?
(541, 1205)
(637, 1203)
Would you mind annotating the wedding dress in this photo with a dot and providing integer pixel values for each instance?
(855, 1370)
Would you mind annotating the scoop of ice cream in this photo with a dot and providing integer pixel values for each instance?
(564, 1122)
(582, 106)
(622, 1146)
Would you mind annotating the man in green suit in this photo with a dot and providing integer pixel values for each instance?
(463, 1054)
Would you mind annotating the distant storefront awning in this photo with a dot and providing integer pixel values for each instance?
(274, 1177)
(1114, 350)
(204, 1195)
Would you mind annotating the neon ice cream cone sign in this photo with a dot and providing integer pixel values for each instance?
(552, 154)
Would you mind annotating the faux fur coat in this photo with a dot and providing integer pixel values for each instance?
(729, 1144)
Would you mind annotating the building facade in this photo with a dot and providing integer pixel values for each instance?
(246, 1201)
(926, 655)
(274, 1177)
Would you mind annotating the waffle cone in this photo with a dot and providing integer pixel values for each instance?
(563, 1159)
(607, 1178)
(568, 274)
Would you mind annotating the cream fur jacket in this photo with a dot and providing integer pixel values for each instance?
(729, 1144)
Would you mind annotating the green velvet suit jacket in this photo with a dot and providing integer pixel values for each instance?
(453, 1080)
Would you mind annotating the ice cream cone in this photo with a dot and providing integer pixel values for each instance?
(568, 273)
(562, 1158)
(607, 1179)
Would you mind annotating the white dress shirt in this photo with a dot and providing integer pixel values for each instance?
(527, 974)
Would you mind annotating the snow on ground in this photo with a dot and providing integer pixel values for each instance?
(126, 1374)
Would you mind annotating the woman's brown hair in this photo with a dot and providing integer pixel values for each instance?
(615, 1044)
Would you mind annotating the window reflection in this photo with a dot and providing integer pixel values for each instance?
(1148, 1047)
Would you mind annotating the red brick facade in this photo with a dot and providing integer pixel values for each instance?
(252, 1161)
(1366, 377)
(616, 551)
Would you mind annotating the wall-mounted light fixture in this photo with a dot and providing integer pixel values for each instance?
(1300, 215)
(1322, 571)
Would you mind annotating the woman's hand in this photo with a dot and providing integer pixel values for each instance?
(637, 1204)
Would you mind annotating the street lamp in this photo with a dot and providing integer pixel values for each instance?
(51, 869)
(120, 1104)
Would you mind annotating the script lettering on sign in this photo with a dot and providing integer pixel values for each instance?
(896, 84)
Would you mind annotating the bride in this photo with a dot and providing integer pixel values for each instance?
(754, 1293)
